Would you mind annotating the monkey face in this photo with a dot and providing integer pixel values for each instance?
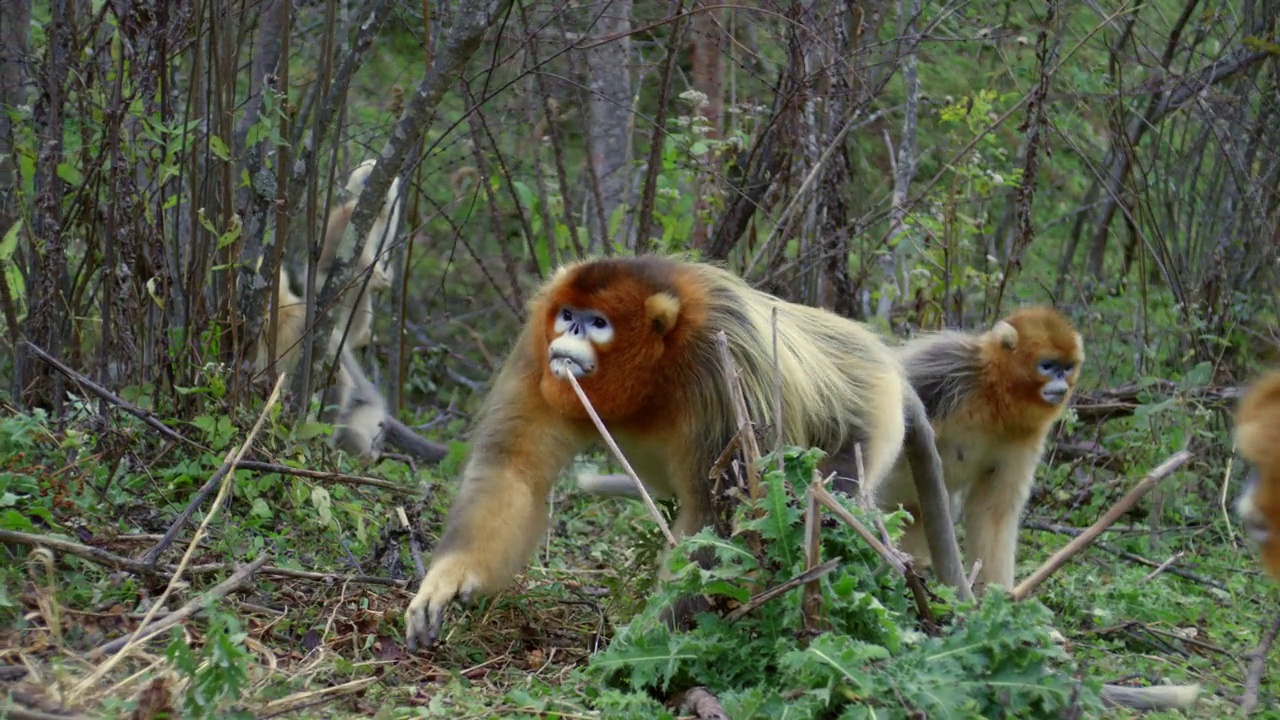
(611, 324)
(1044, 354)
(577, 334)
(1058, 377)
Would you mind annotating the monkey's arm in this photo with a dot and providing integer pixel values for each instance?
(498, 516)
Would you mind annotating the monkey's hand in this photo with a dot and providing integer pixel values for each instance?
(450, 577)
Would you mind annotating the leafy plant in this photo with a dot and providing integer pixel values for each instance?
(994, 659)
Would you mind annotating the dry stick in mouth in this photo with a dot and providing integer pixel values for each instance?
(563, 370)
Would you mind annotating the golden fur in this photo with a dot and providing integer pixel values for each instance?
(658, 384)
(375, 254)
(983, 394)
(1257, 436)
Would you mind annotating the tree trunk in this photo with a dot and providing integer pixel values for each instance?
(15, 27)
(46, 288)
(609, 78)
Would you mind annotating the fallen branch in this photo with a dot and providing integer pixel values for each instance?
(1058, 559)
(299, 700)
(1124, 554)
(219, 591)
(617, 452)
(145, 416)
(234, 457)
(1108, 404)
(109, 559)
(75, 549)
(338, 477)
(763, 597)
(811, 599)
(273, 571)
(1257, 664)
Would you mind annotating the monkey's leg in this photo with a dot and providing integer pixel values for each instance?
(992, 510)
(497, 519)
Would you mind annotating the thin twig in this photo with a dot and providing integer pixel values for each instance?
(84, 552)
(1124, 554)
(1026, 587)
(305, 698)
(338, 477)
(622, 459)
(1164, 565)
(219, 591)
(1257, 664)
(316, 576)
(235, 456)
(891, 555)
(144, 415)
(750, 449)
(777, 394)
(763, 597)
(415, 550)
(811, 600)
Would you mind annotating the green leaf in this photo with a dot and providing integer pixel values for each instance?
(69, 174)
(10, 243)
(219, 148)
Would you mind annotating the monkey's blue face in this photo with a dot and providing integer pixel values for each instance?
(1056, 374)
(577, 335)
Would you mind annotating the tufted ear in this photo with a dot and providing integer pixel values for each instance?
(1006, 334)
(1079, 348)
(662, 309)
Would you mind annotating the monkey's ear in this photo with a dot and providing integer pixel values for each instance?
(663, 309)
(1006, 334)
(1079, 346)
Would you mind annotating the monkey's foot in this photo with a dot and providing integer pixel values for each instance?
(449, 578)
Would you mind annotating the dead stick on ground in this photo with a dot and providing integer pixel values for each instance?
(266, 467)
(1124, 554)
(315, 576)
(233, 457)
(219, 591)
(145, 416)
(84, 552)
(415, 550)
(299, 700)
(1257, 664)
(773, 592)
(1081, 541)
(111, 560)
(617, 452)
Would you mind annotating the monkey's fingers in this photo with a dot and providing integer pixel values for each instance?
(448, 579)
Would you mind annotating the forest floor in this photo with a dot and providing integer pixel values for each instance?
(1149, 602)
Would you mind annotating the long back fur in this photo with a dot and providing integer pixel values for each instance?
(840, 383)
